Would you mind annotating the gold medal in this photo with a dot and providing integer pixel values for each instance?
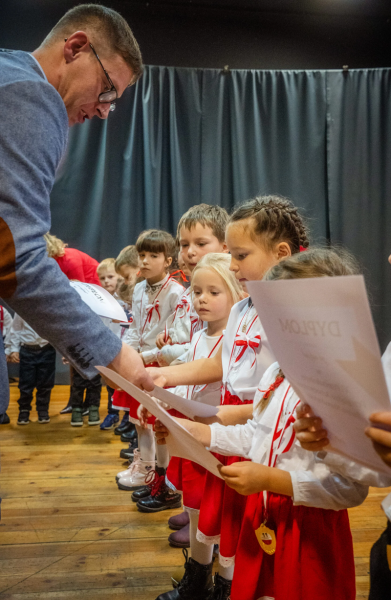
(266, 538)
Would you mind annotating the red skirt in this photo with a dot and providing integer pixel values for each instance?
(313, 557)
(123, 401)
(222, 509)
(188, 477)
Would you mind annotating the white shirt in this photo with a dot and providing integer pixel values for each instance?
(22, 333)
(386, 360)
(244, 365)
(314, 481)
(202, 346)
(118, 329)
(181, 327)
(5, 322)
(151, 307)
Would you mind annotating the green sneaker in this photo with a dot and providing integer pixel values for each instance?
(93, 415)
(77, 417)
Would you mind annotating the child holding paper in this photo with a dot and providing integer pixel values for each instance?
(260, 233)
(295, 540)
(201, 230)
(154, 300)
(215, 290)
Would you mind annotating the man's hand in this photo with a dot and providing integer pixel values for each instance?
(161, 432)
(13, 357)
(129, 365)
(161, 340)
(157, 377)
(309, 429)
(381, 438)
(246, 477)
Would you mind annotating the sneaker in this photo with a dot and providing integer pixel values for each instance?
(93, 415)
(4, 419)
(127, 453)
(181, 538)
(123, 426)
(135, 477)
(85, 412)
(77, 417)
(43, 417)
(109, 422)
(67, 409)
(178, 521)
(24, 417)
(126, 471)
(162, 497)
(129, 434)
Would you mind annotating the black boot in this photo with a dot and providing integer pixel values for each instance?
(143, 492)
(196, 584)
(161, 497)
(222, 590)
(130, 434)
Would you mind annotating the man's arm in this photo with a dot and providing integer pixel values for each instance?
(33, 131)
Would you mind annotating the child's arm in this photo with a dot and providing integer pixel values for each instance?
(381, 438)
(197, 372)
(250, 478)
(199, 431)
(234, 414)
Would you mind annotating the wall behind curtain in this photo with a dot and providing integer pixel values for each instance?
(183, 136)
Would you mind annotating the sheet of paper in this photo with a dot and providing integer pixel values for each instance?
(99, 300)
(322, 333)
(189, 408)
(180, 443)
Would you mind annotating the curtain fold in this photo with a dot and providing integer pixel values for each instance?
(184, 136)
(359, 177)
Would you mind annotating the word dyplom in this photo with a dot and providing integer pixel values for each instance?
(311, 328)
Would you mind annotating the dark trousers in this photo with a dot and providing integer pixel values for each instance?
(92, 388)
(380, 567)
(110, 409)
(37, 369)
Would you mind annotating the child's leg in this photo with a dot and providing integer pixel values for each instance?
(46, 372)
(146, 443)
(110, 409)
(200, 552)
(162, 456)
(94, 389)
(27, 378)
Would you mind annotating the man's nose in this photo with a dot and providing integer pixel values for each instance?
(102, 110)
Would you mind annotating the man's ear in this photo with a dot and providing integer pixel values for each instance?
(75, 44)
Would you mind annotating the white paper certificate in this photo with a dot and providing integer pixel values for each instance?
(189, 408)
(100, 301)
(180, 442)
(322, 333)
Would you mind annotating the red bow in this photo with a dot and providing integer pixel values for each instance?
(179, 274)
(154, 306)
(302, 249)
(184, 303)
(273, 387)
(246, 342)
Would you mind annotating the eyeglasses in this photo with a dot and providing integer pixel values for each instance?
(111, 95)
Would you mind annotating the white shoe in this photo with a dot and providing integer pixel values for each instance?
(136, 474)
(136, 457)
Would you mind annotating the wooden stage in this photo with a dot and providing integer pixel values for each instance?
(67, 532)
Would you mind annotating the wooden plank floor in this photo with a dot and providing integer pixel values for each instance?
(67, 532)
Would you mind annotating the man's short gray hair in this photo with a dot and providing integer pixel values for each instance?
(110, 30)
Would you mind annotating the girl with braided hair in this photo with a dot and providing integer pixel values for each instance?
(261, 233)
(295, 541)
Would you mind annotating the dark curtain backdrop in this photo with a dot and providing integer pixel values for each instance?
(184, 136)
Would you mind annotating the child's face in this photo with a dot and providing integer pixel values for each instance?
(153, 265)
(182, 265)
(251, 260)
(211, 298)
(128, 273)
(196, 242)
(109, 279)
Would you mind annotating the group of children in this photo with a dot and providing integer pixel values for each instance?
(278, 516)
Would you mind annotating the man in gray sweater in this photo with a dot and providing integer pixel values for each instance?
(83, 66)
